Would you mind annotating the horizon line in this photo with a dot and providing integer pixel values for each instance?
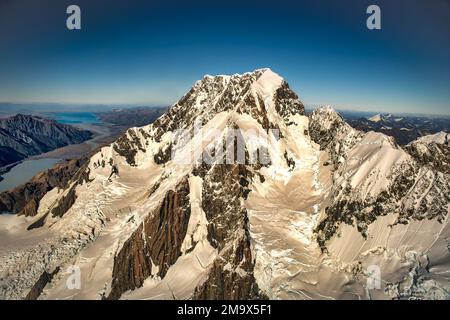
(161, 105)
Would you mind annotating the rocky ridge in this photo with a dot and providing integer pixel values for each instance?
(25, 135)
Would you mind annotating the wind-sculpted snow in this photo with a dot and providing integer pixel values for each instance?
(234, 193)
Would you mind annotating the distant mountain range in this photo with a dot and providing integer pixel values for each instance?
(404, 129)
(131, 117)
(22, 136)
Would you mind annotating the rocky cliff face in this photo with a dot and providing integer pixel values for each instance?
(23, 135)
(231, 276)
(155, 245)
(25, 199)
(235, 194)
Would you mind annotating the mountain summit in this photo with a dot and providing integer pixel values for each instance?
(234, 193)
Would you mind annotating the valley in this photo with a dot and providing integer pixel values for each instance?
(103, 127)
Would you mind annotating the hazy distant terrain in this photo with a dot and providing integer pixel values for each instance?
(404, 129)
(7, 109)
(22, 136)
(87, 128)
(131, 117)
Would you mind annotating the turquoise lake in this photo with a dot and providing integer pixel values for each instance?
(75, 117)
(27, 169)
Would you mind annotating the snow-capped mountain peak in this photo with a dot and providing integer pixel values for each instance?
(234, 193)
(387, 118)
(375, 118)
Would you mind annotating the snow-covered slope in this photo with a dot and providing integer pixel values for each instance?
(432, 150)
(375, 118)
(235, 194)
(438, 138)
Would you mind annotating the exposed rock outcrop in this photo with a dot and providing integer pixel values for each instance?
(231, 276)
(431, 152)
(413, 188)
(24, 200)
(155, 245)
(39, 286)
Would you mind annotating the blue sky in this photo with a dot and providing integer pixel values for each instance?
(151, 52)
